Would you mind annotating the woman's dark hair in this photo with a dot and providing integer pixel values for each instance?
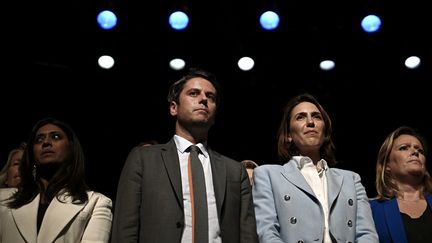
(287, 149)
(69, 178)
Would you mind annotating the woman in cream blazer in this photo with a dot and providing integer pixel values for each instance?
(52, 202)
(63, 221)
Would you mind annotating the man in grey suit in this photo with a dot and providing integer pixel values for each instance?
(153, 201)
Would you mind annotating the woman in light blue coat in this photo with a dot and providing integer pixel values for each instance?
(305, 200)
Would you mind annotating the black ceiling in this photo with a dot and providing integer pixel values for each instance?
(51, 47)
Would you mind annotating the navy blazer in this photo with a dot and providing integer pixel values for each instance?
(388, 221)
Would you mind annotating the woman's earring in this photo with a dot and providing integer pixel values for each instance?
(34, 172)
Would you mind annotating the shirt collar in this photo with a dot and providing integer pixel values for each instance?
(301, 161)
(183, 144)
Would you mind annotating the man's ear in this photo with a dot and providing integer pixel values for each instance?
(173, 108)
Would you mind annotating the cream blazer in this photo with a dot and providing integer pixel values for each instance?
(63, 221)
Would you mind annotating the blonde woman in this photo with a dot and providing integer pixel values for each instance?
(402, 208)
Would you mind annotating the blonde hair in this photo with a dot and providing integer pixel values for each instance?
(385, 183)
(4, 171)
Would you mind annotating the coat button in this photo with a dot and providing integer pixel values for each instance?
(350, 202)
(349, 223)
(287, 198)
(293, 220)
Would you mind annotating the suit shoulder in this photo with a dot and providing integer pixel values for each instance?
(139, 151)
(374, 201)
(98, 196)
(154, 147)
(6, 193)
(378, 201)
(269, 167)
(222, 157)
(345, 172)
(228, 159)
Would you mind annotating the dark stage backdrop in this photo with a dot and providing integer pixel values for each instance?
(50, 69)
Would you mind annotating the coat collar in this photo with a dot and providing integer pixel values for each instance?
(57, 216)
(172, 166)
(292, 173)
(219, 178)
(394, 221)
(25, 219)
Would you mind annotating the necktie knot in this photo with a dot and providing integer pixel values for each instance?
(194, 149)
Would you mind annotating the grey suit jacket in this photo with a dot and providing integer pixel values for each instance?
(149, 202)
(63, 222)
(287, 209)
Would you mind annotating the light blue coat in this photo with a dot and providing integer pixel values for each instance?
(287, 209)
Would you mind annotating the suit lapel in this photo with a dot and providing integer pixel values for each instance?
(172, 166)
(25, 219)
(293, 175)
(429, 200)
(394, 220)
(219, 178)
(57, 216)
(334, 185)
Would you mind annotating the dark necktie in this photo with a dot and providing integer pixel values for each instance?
(198, 197)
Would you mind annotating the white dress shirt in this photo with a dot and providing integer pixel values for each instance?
(317, 180)
(213, 221)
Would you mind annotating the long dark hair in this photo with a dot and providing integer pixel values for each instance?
(287, 149)
(69, 178)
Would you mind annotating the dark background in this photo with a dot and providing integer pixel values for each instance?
(50, 51)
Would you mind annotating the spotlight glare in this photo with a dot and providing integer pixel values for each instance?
(371, 23)
(178, 20)
(269, 20)
(412, 62)
(106, 62)
(246, 63)
(327, 65)
(177, 64)
(107, 20)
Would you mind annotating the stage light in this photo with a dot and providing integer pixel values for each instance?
(371, 23)
(177, 64)
(178, 20)
(327, 65)
(269, 20)
(106, 62)
(246, 63)
(412, 62)
(107, 19)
